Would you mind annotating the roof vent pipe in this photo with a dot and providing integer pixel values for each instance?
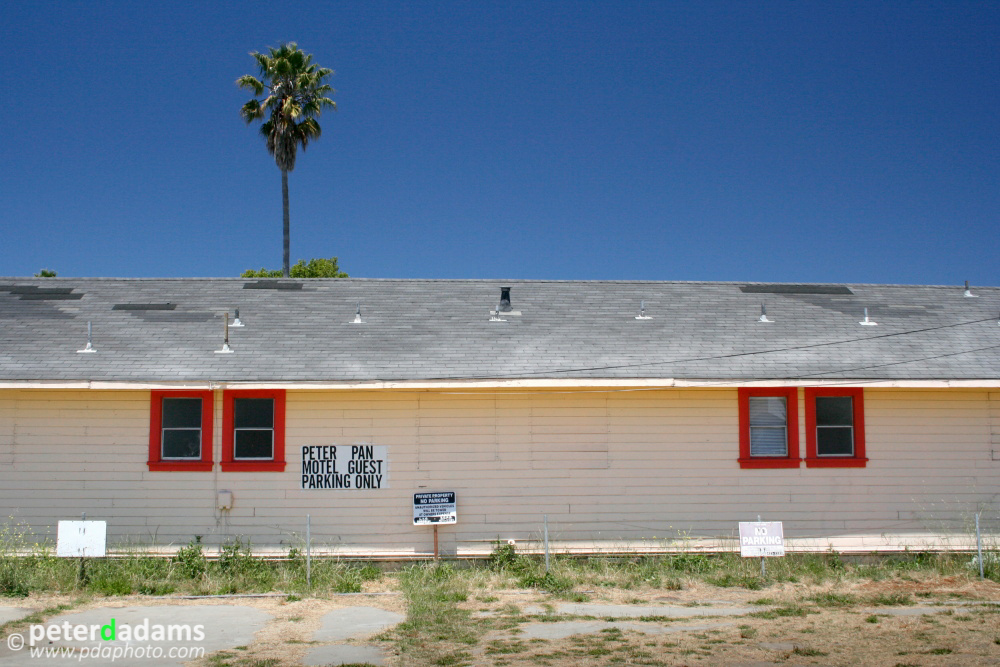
(642, 312)
(968, 292)
(504, 300)
(357, 315)
(495, 315)
(237, 323)
(90, 340)
(763, 314)
(225, 343)
(867, 322)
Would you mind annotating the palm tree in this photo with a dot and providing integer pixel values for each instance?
(294, 93)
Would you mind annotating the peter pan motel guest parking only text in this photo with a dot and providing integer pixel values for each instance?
(345, 467)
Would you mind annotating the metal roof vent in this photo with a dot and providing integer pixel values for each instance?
(495, 314)
(237, 322)
(225, 343)
(867, 322)
(90, 340)
(642, 312)
(968, 292)
(504, 300)
(763, 314)
(357, 315)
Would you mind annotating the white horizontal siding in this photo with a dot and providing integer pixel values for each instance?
(603, 465)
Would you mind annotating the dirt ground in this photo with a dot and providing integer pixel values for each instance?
(798, 624)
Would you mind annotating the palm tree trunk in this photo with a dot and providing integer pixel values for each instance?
(285, 229)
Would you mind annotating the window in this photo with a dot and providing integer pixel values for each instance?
(253, 431)
(180, 431)
(769, 434)
(835, 428)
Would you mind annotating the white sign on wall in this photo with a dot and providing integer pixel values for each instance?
(761, 538)
(434, 508)
(81, 539)
(345, 467)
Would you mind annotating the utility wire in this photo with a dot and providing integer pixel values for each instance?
(731, 355)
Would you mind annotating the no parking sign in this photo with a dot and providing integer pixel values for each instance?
(761, 538)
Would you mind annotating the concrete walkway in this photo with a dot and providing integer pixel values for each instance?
(351, 623)
(8, 614)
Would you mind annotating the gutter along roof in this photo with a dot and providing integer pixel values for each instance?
(436, 333)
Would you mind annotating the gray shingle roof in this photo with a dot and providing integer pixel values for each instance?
(440, 329)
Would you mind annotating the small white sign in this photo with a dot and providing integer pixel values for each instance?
(761, 538)
(434, 508)
(79, 539)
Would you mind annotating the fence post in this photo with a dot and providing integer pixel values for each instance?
(546, 543)
(308, 551)
(979, 547)
(763, 568)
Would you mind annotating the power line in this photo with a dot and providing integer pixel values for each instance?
(731, 355)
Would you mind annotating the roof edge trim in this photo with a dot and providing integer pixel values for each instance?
(514, 385)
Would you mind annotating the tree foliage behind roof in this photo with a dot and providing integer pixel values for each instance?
(315, 268)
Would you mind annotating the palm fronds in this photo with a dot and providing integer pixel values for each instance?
(290, 91)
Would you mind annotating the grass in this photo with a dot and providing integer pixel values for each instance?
(831, 599)
(189, 572)
(435, 626)
(781, 612)
(442, 629)
(237, 570)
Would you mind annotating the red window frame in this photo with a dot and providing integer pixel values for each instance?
(228, 463)
(813, 460)
(791, 396)
(156, 461)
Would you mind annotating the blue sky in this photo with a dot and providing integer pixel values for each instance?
(771, 141)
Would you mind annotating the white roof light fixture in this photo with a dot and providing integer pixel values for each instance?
(763, 314)
(225, 344)
(968, 292)
(237, 322)
(642, 312)
(89, 349)
(357, 315)
(867, 322)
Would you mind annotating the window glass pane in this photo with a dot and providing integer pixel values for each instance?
(767, 411)
(253, 444)
(768, 421)
(768, 441)
(181, 444)
(835, 441)
(834, 411)
(253, 413)
(181, 413)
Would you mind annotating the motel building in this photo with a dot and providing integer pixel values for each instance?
(634, 416)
